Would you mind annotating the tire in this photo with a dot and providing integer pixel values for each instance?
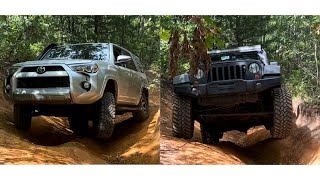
(106, 113)
(282, 113)
(182, 121)
(78, 122)
(143, 113)
(209, 136)
(22, 117)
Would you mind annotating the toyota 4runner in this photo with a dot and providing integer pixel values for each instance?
(93, 81)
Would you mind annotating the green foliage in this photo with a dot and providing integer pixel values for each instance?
(292, 41)
(165, 34)
(185, 25)
(24, 37)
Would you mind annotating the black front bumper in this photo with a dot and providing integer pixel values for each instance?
(227, 87)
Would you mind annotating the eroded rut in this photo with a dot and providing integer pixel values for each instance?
(50, 141)
(255, 147)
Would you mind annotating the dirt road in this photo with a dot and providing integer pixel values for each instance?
(256, 147)
(49, 141)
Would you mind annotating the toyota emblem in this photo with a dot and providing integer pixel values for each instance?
(41, 70)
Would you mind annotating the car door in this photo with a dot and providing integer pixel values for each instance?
(139, 77)
(124, 79)
(135, 80)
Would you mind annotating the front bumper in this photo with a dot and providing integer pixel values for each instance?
(74, 94)
(227, 87)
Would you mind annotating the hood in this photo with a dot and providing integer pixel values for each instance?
(48, 62)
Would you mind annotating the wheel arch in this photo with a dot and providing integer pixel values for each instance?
(111, 86)
(146, 91)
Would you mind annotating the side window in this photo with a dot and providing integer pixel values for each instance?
(137, 60)
(130, 64)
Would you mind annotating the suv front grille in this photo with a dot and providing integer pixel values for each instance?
(43, 82)
(47, 68)
(219, 73)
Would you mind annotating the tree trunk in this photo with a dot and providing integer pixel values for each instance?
(96, 26)
(123, 30)
(315, 57)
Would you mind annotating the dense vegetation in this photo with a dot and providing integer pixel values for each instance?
(293, 41)
(24, 37)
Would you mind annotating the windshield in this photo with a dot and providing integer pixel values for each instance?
(80, 51)
(233, 56)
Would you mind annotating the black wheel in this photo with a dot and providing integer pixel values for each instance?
(22, 117)
(106, 113)
(143, 112)
(78, 121)
(209, 135)
(282, 113)
(182, 121)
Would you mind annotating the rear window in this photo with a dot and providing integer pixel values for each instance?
(81, 51)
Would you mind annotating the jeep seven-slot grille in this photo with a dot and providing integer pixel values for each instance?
(43, 82)
(220, 73)
(47, 68)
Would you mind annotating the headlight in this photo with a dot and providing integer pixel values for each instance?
(11, 70)
(85, 68)
(200, 74)
(254, 68)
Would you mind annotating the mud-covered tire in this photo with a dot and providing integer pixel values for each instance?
(22, 117)
(209, 135)
(78, 121)
(143, 113)
(182, 121)
(282, 113)
(106, 112)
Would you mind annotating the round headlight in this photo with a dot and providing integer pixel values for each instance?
(254, 68)
(200, 74)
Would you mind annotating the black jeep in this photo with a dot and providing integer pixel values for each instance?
(240, 90)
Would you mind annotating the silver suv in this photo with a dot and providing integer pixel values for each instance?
(84, 82)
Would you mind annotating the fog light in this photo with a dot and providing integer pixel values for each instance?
(86, 85)
(259, 85)
(8, 87)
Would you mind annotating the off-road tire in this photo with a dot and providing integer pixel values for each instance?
(209, 135)
(182, 121)
(22, 117)
(106, 113)
(282, 113)
(143, 113)
(78, 121)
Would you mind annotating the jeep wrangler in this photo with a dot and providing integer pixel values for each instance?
(240, 90)
(91, 81)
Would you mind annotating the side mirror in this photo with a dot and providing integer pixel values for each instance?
(274, 63)
(123, 58)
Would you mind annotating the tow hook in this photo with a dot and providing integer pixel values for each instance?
(195, 91)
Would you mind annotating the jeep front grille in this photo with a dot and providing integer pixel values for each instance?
(47, 68)
(219, 73)
(43, 82)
